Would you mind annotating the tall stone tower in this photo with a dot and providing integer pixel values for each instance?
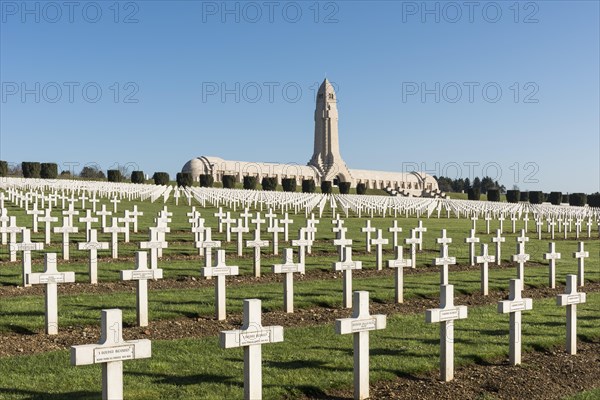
(326, 156)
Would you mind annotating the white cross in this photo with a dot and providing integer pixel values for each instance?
(34, 213)
(341, 240)
(513, 219)
(111, 351)
(484, 259)
(286, 222)
(70, 213)
(13, 230)
(48, 219)
(88, 220)
(94, 200)
(251, 337)
(27, 246)
(257, 244)
(538, 225)
(221, 270)
(220, 215)
(258, 221)
(413, 240)
(446, 315)
(570, 299)
(66, 230)
(487, 218)
(126, 221)
(301, 243)
(115, 201)
(154, 243)
(114, 230)
(367, 230)
(474, 218)
(103, 213)
(359, 325)
(275, 229)
(208, 244)
(50, 277)
(379, 242)
(270, 216)
(135, 214)
(347, 265)
(240, 229)
(288, 267)
(581, 255)
(93, 246)
(521, 257)
(444, 260)
(394, 230)
(472, 240)
(498, 239)
(420, 230)
(246, 215)
(552, 256)
(141, 274)
(513, 306)
(83, 198)
(399, 263)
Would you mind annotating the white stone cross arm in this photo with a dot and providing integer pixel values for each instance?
(220, 267)
(515, 301)
(252, 332)
(361, 320)
(111, 351)
(111, 346)
(571, 296)
(447, 311)
(288, 264)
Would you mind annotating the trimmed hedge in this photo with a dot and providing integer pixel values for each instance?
(207, 180)
(555, 198)
(48, 171)
(228, 181)
(565, 198)
(578, 199)
(344, 187)
(161, 178)
(536, 197)
(512, 196)
(593, 200)
(289, 184)
(269, 184)
(184, 179)
(308, 186)
(524, 196)
(114, 175)
(474, 194)
(326, 187)
(31, 169)
(138, 177)
(493, 194)
(250, 182)
(3, 168)
(361, 188)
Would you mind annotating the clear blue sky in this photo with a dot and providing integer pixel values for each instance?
(163, 67)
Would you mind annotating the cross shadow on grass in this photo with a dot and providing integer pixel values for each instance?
(189, 379)
(300, 364)
(32, 395)
(21, 330)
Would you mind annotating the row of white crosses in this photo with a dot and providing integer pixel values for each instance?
(112, 350)
(252, 335)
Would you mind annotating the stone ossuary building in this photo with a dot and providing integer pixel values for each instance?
(326, 163)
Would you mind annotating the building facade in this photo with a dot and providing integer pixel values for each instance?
(326, 163)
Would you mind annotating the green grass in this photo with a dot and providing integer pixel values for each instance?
(310, 360)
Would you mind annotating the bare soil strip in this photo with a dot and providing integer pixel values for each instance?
(25, 342)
